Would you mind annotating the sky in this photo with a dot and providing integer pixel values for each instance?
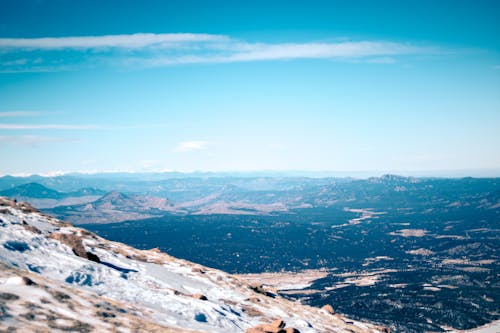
(409, 87)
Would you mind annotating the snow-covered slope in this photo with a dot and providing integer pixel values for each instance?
(58, 277)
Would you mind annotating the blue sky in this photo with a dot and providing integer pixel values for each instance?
(357, 86)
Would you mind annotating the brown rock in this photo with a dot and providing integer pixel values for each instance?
(278, 323)
(28, 282)
(76, 244)
(272, 329)
(253, 330)
(251, 311)
(198, 270)
(73, 241)
(27, 208)
(32, 229)
(93, 257)
(328, 308)
(291, 330)
(200, 297)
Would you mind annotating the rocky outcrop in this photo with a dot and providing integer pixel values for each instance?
(76, 245)
(328, 308)
(277, 326)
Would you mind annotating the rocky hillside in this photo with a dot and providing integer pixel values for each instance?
(56, 277)
(114, 207)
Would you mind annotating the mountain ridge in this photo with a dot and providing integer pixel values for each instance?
(172, 294)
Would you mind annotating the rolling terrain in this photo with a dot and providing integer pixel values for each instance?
(413, 254)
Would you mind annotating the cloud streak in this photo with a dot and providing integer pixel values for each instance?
(80, 127)
(187, 146)
(5, 114)
(47, 126)
(31, 140)
(132, 41)
(156, 50)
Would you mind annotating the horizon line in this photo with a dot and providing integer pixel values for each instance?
(359, 174)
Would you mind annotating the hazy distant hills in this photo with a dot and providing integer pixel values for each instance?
(35, 190)
(44, 197)
(114, 207)
(32, 190)
(116, 197)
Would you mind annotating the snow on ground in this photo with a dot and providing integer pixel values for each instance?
(173, 292)
(287, 280)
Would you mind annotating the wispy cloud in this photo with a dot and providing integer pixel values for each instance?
(47, 126)
(187, 146)
(4, 114)
(31, 140)
(81, 127)
(132, 41)
(153, 50)
(246, 52)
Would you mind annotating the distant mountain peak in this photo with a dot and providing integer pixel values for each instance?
(114, 196)
(391, 178)
(32, 190)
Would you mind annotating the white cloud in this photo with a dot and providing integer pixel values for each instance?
(153, 50)
(187, 146)
(275, 146)
(18, 113)
(246, 52)
(132, 41)
(47, 126)
(79, 127)
(323, 50)
(31, 140)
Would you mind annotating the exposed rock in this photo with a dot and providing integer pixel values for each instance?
(200, 297)
(76, 244)
(155, 250)
(251, 311)
(272, 329)
(259, 288)
(32, 229)
(253, 330)
(93, 257)
(27, 281)
(27, 208)
(73, 241)
(278, 323)
(328, 308)
(277, 326)
(291, 330)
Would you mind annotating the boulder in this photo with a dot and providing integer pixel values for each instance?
(155, 250)
(328, 308)
(291, 330)
(200, 297)
(253, 330)
(73, 241)
(271, 329)
(278, 323)
(28, 282)
(76, 244)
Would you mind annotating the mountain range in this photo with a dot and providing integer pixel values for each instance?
(116, 198)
